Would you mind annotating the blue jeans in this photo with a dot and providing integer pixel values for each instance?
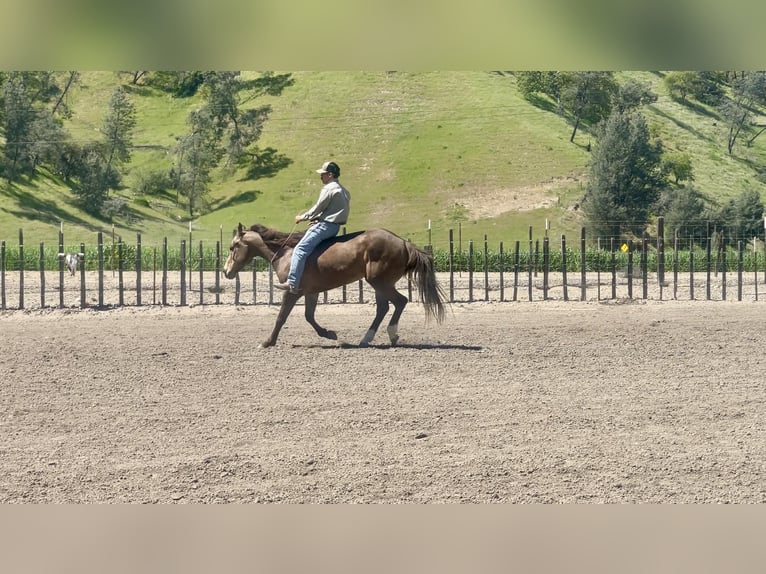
(314, 235)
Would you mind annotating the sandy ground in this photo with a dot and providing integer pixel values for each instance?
(114, 289)
(521, 402)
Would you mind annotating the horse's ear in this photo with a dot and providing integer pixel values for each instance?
(240, 229)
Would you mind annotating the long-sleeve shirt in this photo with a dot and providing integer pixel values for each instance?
(333, 205)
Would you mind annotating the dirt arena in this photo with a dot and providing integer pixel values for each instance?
(506, 402)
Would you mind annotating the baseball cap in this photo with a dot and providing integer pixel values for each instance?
(330, 167)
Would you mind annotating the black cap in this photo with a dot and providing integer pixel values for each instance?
(330, 167)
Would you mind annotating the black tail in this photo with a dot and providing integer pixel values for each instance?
(420, 267)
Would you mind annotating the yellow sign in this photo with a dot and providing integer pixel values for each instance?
(624, 247)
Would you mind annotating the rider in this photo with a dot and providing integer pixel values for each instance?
(326, 216)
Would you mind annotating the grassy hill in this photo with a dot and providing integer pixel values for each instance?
(453, 148)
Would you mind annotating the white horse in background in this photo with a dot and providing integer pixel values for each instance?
(72, 260)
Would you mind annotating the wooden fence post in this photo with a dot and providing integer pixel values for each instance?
(470, 271)
(708, 248)
(2, 275)
(739, 270)
(502, 272)
(202, 276)
(645, 266)
(217, 272)
(164, 271)
(755, 268)
(661, 252)
(139, 266)
(42, 275)
(614, 268)
(516, 263)
(630, 269)
(21, 269)
(61, 268)
(100, 252)
(451, 267)
(486, 269)
(675, 264)
(722, 251)
(583, 295)
(546, 266)
(182, 266)
(120, 266)
(83, 301)
(691, 268)
(564, 266)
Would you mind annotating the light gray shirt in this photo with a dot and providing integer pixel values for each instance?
(333, 205)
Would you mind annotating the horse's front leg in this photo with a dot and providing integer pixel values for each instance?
(311, 305)
(288, 302)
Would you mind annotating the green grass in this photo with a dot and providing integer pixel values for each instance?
(459, 149)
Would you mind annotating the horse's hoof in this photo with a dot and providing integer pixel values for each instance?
(265, 345)
(394, 340)
(331, 335)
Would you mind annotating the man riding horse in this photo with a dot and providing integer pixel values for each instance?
(327, 215)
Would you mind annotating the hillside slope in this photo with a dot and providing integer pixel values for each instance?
(449, 148)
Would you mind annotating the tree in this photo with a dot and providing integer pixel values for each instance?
(181, 84)
(633, 94)
(684, 210)
(99, 165)
(742, 217)
(708, 89)
(95, 177)
(533, 82)
(748, 94)
(118, 127)
(587, 96)
(238, 127)
(705, 87)
(679, 165)
(680, 84)
(18, 115)
(225, 127)
(197, 153)
(33, 104)
(625, 176)
(60, 105)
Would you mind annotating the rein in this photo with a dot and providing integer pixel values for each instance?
(289, 235)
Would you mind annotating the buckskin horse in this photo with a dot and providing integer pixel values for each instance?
(376, 255)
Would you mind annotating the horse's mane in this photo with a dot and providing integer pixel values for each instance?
(272, 237)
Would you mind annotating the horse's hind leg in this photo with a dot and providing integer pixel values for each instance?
(311, 305)
(381, 308)
(400, 302)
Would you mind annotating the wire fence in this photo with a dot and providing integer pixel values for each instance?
(122, 274)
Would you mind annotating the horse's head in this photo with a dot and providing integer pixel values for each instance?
(239, 254)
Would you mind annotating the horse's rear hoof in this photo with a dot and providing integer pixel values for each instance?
(394, 340)
(331, 335)
(265, 344)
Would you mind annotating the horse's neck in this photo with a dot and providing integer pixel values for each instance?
(273, 252)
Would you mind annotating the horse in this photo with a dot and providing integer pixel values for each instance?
(71, 260)
(376, 255)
